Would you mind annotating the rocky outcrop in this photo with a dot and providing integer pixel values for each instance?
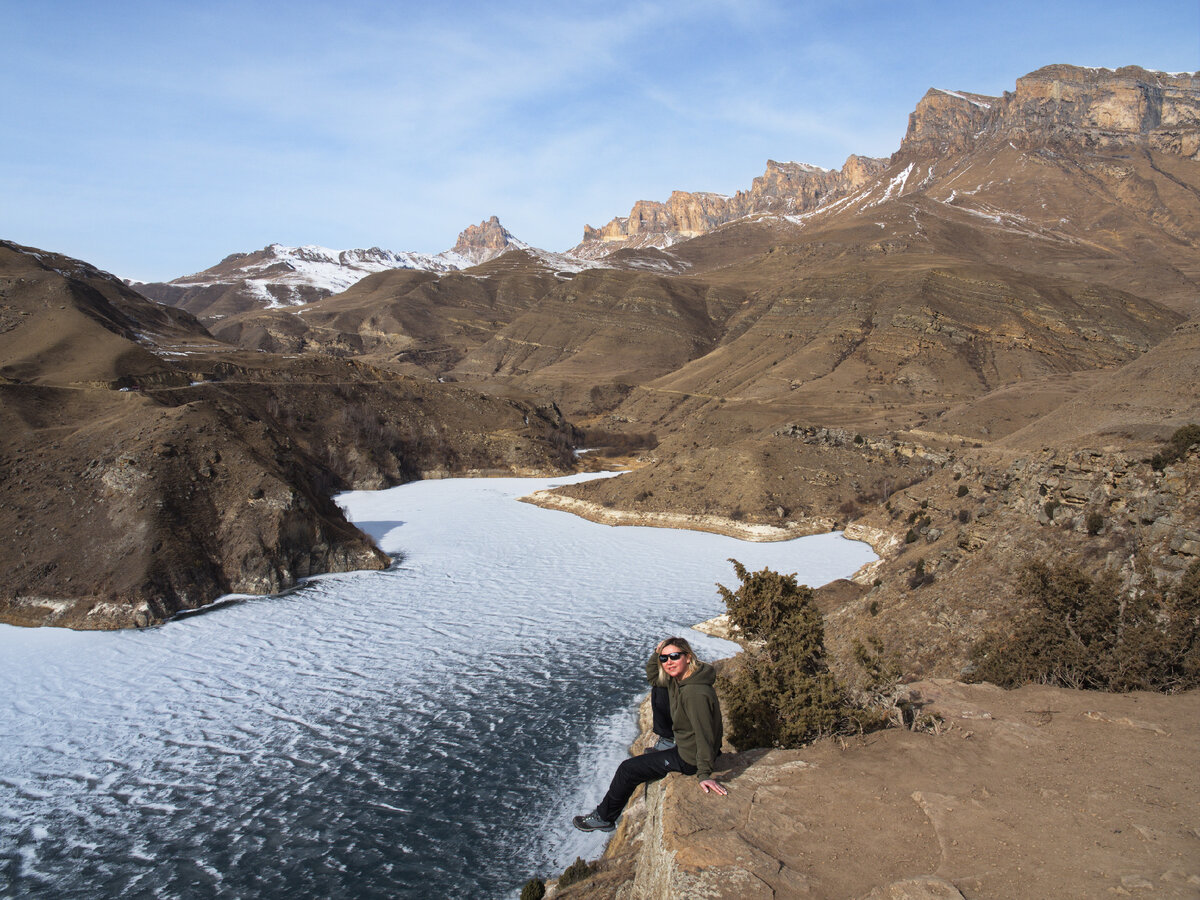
(948, 122)
(1064, 107)
(785, 188)
(978, 522)
(1038, 792)
(487, 240)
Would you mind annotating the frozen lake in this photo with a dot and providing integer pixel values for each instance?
(423, 731)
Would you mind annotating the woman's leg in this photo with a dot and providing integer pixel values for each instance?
(639, 770)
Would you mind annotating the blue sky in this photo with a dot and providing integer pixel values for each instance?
(153, 139)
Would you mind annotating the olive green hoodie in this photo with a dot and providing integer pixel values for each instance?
(696, 719)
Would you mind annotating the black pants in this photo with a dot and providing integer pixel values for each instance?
(660, 704)
(638, 770)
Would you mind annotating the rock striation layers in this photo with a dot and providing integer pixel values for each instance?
(1066, 107)
(785, 188)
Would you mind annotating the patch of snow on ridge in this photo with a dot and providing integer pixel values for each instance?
(896, 185)
(805, 167)
(280, 276)
(319, 267)
(970, 100)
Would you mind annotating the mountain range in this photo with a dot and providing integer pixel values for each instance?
(1008, 304)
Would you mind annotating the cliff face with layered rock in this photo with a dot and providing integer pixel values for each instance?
(1056, 106)
(1067, 107)
(785, 188)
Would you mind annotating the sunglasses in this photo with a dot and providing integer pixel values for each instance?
(663, 657)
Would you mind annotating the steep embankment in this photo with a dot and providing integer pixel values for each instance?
(1039, 792)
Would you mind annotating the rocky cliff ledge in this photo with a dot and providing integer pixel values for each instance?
(785, 188)
(1064, 106)
(1038, 792)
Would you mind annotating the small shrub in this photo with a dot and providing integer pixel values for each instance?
(782, 694)
(534, 889)
(911, 536)
(873, 609)
(881, 671)
(1050, 507)
(1177, 446)
(920, 577)
(1081, 632)
(575, 873)
(1095, 523)
(963, 490)
(858, 439)
(964, 516)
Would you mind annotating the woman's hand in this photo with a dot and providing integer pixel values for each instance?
(711, 785)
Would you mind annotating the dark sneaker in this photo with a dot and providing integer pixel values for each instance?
(592, 822)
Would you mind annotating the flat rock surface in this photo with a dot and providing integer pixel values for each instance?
(1038, 792)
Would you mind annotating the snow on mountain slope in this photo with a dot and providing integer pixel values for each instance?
(289, 269)
(279, 276)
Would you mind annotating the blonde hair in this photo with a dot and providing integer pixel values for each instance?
(693, 660)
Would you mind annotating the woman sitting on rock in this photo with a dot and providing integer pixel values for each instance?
(696, 721)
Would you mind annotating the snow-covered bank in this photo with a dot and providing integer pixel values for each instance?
(734, 528)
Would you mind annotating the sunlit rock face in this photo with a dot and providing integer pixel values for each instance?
(785, 188)
(1068, 107)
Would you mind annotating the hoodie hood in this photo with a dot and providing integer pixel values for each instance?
(705, 675)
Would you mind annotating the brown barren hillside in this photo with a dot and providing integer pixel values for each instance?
(149, 468)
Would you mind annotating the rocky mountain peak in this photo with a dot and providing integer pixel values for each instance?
(487, 240)
(948, 122)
